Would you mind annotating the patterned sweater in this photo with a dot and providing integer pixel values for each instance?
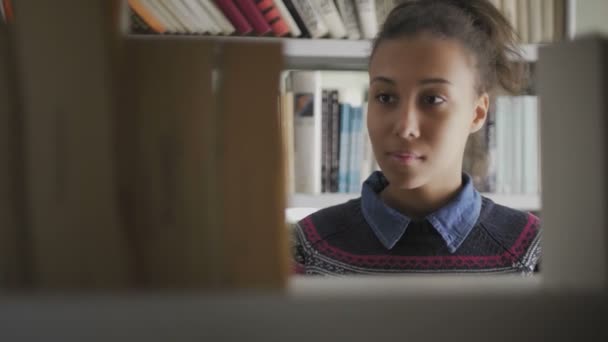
(338, 241)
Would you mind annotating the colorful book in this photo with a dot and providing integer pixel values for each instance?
(335, 140)
(255, 17)
(344, 162)
(141, 11)
(289, 4)
(216, 15)
(273, 17)
(325, 140)
(232, 12)
(287, 16)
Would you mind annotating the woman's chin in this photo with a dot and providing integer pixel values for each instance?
(405, 181)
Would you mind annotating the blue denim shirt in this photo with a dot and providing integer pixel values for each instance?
(453, 222)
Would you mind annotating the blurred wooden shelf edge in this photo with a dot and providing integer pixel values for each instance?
(319, 54)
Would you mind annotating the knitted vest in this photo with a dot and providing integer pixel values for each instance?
(337, 241)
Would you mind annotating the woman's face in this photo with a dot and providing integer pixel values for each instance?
(422, 107)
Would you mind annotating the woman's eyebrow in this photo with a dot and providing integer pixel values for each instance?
(383, 79)
(434, 80)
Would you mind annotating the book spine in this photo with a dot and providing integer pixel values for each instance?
(287, 111)
(366, 9)
(228, 7)
(286, 15)
(535, 21)
(147, 17)
(509, 9)
(491, 143)
(255, 17)
(162, 16)
(331, 17)
(216, 15)
(348, 13)
(9, 14)
(325, 142)
(171, 13)
(531, 145)
(501, 155)
(273, 17)
(548, 20)
(335, 141)
(307, 134)
(343, 171)
(198, 22)
(523, 21)
(313, 21)
(289, 4)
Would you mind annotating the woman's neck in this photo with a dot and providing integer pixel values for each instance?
(422, 201)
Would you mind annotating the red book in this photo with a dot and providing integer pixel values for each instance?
(8, 10)
(240, 23)
(251, 11)
(273, 17)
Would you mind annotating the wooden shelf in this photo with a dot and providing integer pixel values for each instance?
(319, 54)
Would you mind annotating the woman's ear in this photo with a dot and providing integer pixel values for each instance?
(482, 106)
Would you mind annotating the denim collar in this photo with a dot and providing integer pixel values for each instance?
(453, 222)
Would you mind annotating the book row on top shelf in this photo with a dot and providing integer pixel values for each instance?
(535, 22)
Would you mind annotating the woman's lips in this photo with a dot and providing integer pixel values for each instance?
(405, 158)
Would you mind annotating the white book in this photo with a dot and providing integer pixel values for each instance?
(293, 27)
(306, 87)
(501, 144)
(535, 21)
(216, 15)
(523, 21)
(548, 20)
(311, 18)
(174, 12)
(518, 146)
(348, 13)
(154, 8)
(161, 10)
(531, 146)
(331, 17)
(509, 9)
(366, 10)
(184, 10)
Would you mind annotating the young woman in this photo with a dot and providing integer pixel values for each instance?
(431, 70)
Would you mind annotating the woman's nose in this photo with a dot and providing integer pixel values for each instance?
(407, 126)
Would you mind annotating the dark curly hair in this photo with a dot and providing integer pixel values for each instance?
(477, 24)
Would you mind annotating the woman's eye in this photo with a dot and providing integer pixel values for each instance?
(433, 100)
(385, 98)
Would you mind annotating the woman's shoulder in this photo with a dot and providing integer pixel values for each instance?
(519, 232)
(330, 220)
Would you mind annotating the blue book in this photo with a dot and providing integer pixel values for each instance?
(344, 154)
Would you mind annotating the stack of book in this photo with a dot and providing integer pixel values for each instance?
(348, 19)
(331, 149)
